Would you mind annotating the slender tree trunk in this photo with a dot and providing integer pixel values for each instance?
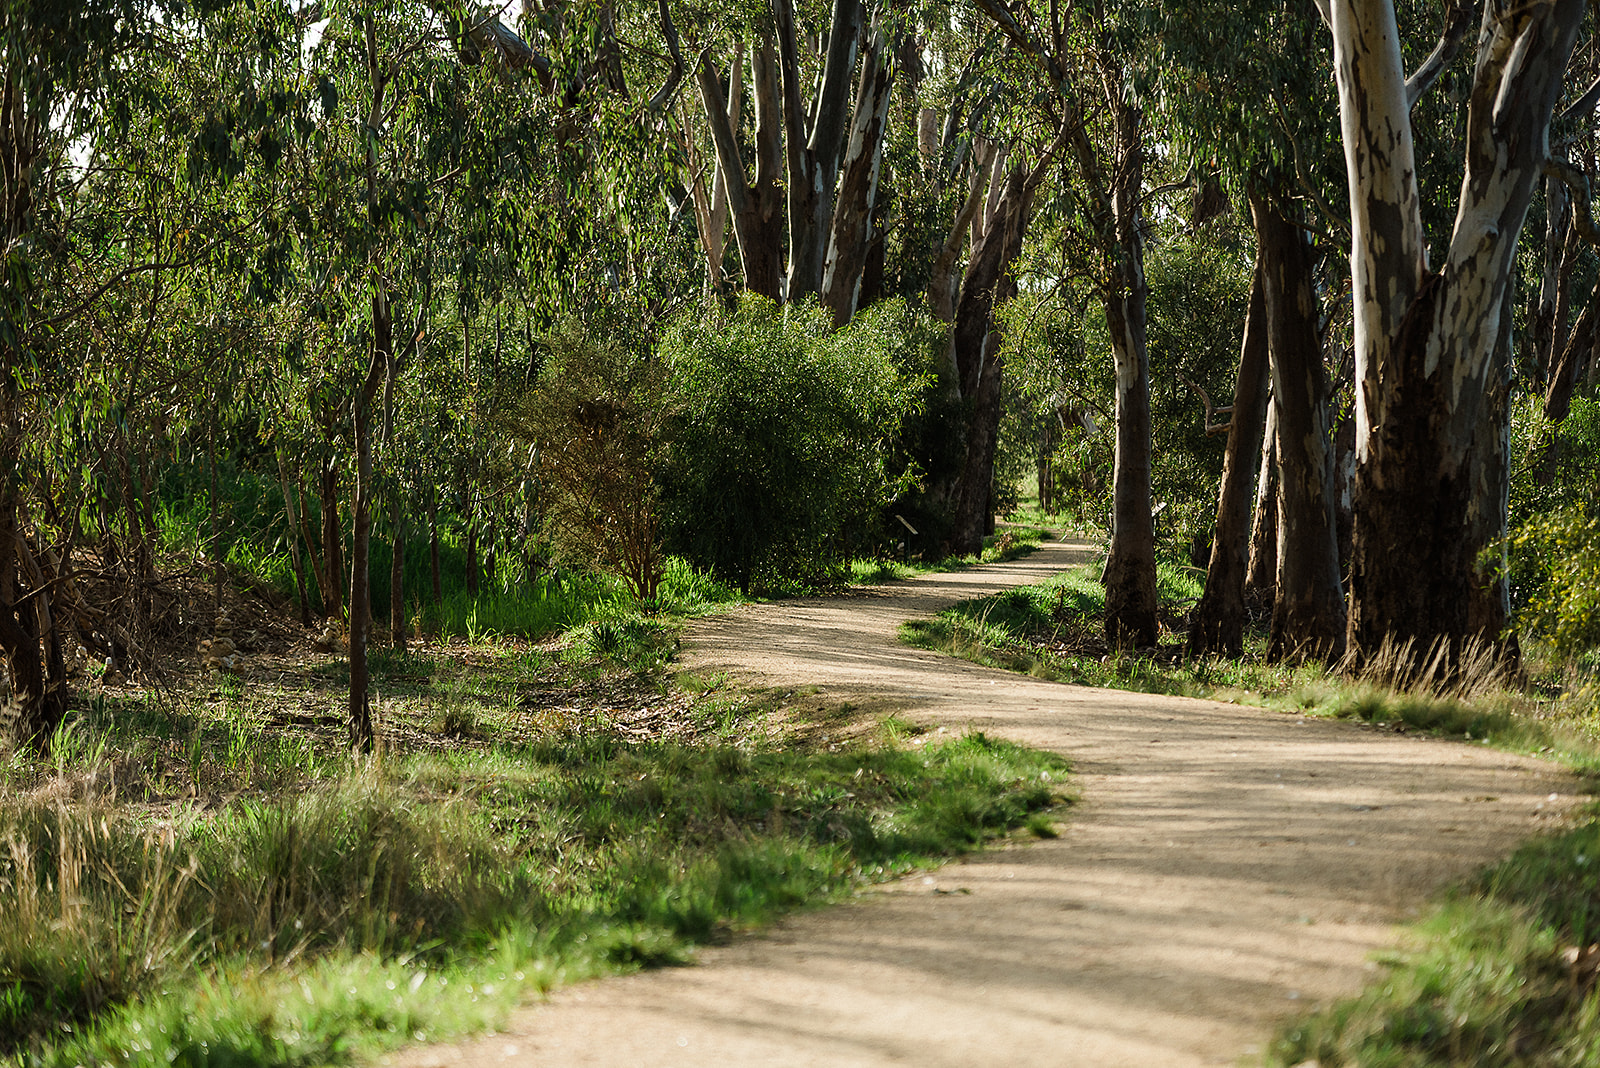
(1308, 619)
(1564, 372)
(215, 547)
(491, 556)
(1217, 624)
(472, 557)
(317, 570)
(360, 720)
(292, 518)
(1048, 438)
(1543, 333)
(1261, 579)
(433, 548)
(1130, 572)
(332, 538)
(853, 214)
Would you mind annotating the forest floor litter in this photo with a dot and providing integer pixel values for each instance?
(1225, 869)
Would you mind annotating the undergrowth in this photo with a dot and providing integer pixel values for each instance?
(1008, 544)
(353, 907)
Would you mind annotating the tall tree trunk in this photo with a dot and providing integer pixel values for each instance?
(332, 541)
(975, 349)
(813, 138)
(1564, 371)
(1425, 341)
(942, 273)
(318, 572)
(711, 206)
(1045, 462)
(1261, 579)
(433, 547)
(853, 215)
(1308, 619)
(1489, 613)
(1543, 333)
(1130, 572)
(757, 209)
(360, 718)
(215, 546)
(472, 557)
(1217, 624)
(491, 556)
(38, 682)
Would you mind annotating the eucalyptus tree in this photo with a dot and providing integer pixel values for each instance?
(1089, 57)
(87, 298)
(1277, 157)
(1425, 339)
(801, 147)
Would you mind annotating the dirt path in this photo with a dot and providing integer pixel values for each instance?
(1226, 867)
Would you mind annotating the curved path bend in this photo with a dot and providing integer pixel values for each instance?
(1225, 868)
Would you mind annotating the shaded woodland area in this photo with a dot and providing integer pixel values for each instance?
(383, 305)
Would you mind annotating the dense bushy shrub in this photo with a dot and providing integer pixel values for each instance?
(1554, 553)
(1561, 553)
(597, 421)
(781, 434)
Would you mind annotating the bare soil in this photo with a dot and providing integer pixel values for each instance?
(1226, 869)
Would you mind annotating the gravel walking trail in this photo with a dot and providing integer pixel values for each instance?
(1225, 868)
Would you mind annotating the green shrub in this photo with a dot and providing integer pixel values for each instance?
(1562, 551)
(780, 435)
(597, 418)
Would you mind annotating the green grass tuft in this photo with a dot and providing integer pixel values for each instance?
(416, 895)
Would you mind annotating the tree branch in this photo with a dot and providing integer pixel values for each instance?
(1582, 105)
(728, 160)
(658, 102)
(1577, 184)
(1457, 18)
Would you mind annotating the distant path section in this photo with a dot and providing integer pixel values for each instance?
(1226, 868)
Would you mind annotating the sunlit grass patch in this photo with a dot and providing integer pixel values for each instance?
(1502, 973)
(292, 928)
(1010, 543)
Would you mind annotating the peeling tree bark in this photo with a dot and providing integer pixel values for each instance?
(1424, 340)
(858, 188)
(1308, 618)
(814, 139)
(1217, 624)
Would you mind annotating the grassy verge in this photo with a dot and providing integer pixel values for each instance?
(1008, 544)
(1503, 973)
(561, 601)
(1052, 630)
(1506, 971)
(204, 880)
